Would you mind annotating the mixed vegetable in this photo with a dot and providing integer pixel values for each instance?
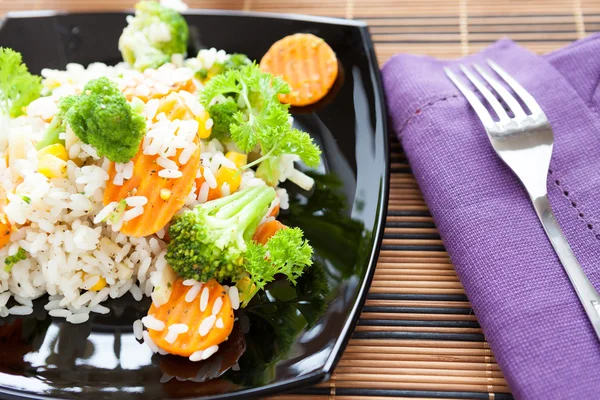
(223, 251)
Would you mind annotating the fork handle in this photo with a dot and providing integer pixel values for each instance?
(588, 296)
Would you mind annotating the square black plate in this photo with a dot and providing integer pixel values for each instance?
(343, 219)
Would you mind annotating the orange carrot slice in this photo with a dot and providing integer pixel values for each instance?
(178, 311)
(5, 227)
(306, 63)
(145, 182)
(266, 230)
(274, 211)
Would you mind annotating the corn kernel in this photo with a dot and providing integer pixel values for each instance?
(165, 194)
(178, 112)
(99, 285)
(231, 176)
(239, 159)
(52, 167)
(166, 106)
(57, 150)
(203, 133)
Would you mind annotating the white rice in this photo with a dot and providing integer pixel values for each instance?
(60, 313)
(151, 322)
(135, 201)
(206, 325)
(204, 299)
(138, 329)
(193, 292)
(174, 331)
(234, 297)
(78, 318)
(210, 351)
(149, 342)
(20, 310)
(170, 173)
(219, 324)
(133, 213)
(210, 178)
(217, 306)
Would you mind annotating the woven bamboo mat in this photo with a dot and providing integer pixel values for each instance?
(417, 336)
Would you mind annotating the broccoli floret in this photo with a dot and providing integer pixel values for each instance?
(10, 261)
(210, 240)
(102, 118)
(222, 115)
(153, 35)
(58, 124)
(236, 61)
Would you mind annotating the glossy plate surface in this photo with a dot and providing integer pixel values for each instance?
(288, 338)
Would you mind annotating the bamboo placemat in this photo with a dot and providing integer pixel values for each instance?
(417, 336)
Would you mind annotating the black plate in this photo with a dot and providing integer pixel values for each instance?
(294, 336)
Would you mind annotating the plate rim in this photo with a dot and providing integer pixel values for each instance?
(325, 372)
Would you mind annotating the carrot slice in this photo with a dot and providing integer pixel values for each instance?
(5, 227)
(274, 211)
(266, 230)
(179, 311)
(306, 63)
(145, 182)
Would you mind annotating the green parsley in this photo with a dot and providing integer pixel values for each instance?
(18, 87)
(286, 252)
(261, 119)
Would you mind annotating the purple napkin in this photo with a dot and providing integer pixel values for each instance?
(525, 304)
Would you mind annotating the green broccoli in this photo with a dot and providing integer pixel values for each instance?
(10, 261)
(153, 36)
(210, 241)
(102, 118)
(222, 115)
(58, 124)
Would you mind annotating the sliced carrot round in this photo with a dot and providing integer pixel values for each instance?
(179, 311)
(306, 63)
(165, 196)
(266, 230)
(5, 227)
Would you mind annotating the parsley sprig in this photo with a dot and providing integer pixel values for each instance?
(261, 119)
(18, 87)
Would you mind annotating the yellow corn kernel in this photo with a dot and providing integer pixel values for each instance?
(239, 159)
(52, 167)
(178, 112)
(57, 150)
(166, 106)
(165, 194)
(203, 132)
(99, 285)
(230, 176)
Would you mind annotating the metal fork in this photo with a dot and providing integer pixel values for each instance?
(524, 142)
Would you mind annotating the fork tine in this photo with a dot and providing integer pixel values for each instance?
(486, 93)
(477, 105)
(529, 101)
(513, 104)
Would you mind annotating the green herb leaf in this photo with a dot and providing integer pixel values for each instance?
(18, 87)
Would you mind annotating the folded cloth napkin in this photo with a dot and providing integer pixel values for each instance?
(525, 304)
